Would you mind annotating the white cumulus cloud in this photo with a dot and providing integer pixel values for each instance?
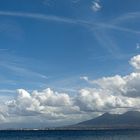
(96, 6)
(135, 62)
(108, 94)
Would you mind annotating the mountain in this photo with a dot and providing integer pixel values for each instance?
(129, 119)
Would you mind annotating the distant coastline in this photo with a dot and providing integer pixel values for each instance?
(128, 121)
(74, 129)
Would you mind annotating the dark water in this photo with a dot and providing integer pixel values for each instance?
(71, 135)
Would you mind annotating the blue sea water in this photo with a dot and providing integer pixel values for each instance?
(71, 135)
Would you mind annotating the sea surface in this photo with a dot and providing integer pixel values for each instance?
(71, 135)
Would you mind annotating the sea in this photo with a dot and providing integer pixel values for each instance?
(71, 135)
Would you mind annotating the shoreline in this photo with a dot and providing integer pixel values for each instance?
(71, 129)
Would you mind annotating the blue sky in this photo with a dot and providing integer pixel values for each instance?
(57, 43)
(46, 42)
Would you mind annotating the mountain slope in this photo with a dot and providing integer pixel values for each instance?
(129, 119)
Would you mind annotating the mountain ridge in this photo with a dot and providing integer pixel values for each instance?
(130, 119)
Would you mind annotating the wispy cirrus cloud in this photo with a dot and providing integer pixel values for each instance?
(20, 70)
(16, 71)
(126, 17)
(7, 91)
(24, 71)
(40, 16)
(92, 25)
(97, 27)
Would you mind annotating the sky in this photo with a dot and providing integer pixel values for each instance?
(66, 61)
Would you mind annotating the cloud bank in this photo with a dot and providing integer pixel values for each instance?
(114, 94)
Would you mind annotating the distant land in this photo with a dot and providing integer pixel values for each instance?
(128, 120)
(107, 121)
